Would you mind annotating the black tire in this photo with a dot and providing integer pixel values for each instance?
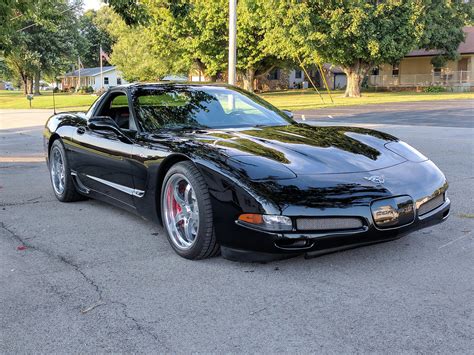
(205, 244)
(69, 193)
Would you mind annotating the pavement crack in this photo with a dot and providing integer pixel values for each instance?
(100, 300)
(140, 327)
(24, 241)
(23, 203)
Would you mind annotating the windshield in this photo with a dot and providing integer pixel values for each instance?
(183, 106)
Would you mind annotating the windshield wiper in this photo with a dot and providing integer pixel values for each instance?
(179, 127)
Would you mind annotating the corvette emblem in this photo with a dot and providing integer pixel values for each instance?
(376, 179)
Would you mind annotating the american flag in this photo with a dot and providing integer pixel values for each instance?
(104, 55)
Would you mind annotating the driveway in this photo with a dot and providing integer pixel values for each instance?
(87, 277)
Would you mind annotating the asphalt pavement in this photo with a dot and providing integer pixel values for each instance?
(88, 277)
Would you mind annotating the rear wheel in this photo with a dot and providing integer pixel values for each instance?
(186, 212)
(60, 174)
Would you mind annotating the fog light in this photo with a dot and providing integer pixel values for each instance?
(273, 223)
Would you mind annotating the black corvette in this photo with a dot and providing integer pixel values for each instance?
(224, 171)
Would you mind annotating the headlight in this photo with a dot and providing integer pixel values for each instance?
(273, 223)
(406, 151)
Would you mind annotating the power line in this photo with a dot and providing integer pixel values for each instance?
(36, 23)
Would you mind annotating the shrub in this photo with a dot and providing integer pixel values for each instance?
(434, 89)
(100, 91)
(85, 90)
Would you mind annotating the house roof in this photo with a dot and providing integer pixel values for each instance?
(89, 71)
(333, 68)
(466, 47)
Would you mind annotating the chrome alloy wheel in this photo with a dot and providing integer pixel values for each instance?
(58, 171)
(181, 211)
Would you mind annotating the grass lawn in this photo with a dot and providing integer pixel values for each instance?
(290, 100)
(308, 99)
(16, 99)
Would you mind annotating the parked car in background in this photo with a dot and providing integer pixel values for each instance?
(7, 86)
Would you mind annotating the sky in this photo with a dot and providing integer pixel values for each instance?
(92, 4)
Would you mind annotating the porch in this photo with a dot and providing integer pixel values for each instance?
(461, 80)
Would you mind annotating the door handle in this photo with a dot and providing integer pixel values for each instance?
(81, 130)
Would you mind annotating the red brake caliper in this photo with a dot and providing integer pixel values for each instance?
(174, 204)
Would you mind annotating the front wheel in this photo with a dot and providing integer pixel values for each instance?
(60, 174)
(187, 213)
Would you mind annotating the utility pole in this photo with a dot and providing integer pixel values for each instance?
(232, 40)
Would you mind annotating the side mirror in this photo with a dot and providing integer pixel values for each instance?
(288, 113)
(104, 123)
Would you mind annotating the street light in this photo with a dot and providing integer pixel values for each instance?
(232, 40)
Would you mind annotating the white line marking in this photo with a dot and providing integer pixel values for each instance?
(453, 241)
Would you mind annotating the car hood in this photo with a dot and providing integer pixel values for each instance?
(305, 149)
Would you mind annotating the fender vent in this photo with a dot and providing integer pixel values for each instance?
(328, 223)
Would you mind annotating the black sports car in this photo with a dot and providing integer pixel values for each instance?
(223, 170)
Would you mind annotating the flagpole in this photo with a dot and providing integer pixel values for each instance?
(101, 76)
(79, 64)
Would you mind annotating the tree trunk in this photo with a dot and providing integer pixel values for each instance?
(355, 75)
(30, 91)
(25, 84)
(248, 79)
(37, 83)
(354, 83)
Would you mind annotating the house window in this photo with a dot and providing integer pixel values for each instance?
(298, 74)
(376, 71)
(437, 72)
(274, 74)
(119, 81)
(106, 80)
(395, 70)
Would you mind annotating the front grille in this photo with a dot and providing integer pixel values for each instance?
(431, 204)
(328, 223)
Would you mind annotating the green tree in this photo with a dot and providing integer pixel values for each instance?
(188, 34)
(358, 35)
(11, 13)
(93, 34)
(44, 41)
(132, 52)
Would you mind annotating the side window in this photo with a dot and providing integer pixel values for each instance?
(274, 74)
(395, 70)
(119, 81)
(106, 81)
(116, 107)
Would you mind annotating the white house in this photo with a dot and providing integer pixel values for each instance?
(91, 77)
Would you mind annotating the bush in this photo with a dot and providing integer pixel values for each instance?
(56, 90)
(85, 90)
(100, 91)
(71, 89)
(434, 89)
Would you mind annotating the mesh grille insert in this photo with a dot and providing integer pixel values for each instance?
(430, 205)
(328, 223)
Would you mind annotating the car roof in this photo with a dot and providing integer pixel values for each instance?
(161, 84)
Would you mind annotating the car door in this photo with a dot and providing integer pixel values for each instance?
(101, 158)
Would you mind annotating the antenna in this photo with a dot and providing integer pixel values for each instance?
(54, 103)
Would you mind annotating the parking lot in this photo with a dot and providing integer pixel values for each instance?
(88, 277)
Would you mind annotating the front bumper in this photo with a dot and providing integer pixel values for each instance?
(273, 246)
(344, 196)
